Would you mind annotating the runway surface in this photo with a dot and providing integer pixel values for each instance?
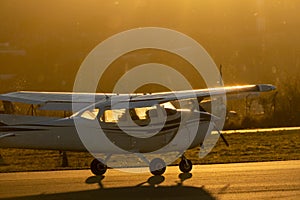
(279, 180)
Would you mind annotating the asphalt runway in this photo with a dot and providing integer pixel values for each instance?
(279, 180)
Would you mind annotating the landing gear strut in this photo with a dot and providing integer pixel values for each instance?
(157, 166)
(185, 165)
(98, 167)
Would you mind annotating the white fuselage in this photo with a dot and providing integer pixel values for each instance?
(179, 132)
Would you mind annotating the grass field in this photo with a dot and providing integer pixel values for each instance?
(244, 147)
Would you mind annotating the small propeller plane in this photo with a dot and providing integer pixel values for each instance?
(153, 114)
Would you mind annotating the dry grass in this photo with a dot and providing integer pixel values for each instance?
(254, 147)
(244, 147)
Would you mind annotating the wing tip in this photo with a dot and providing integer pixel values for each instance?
(266, 87)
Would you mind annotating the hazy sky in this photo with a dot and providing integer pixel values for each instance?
(42, 43)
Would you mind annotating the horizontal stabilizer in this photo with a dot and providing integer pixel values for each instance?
(6, 135)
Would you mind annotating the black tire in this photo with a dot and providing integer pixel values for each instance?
(97, 167)
(185, 166)
(157, 166)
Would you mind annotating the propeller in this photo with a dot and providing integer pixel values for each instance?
(222, 136)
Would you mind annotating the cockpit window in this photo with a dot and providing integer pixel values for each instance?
(135, 114)
(90, 114)
(112, 115)
(123, 115)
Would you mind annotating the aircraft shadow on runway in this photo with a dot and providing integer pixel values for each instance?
(149, 189)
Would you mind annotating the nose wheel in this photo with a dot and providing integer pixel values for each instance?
(185, 165)
(98, 167)
(157, 166)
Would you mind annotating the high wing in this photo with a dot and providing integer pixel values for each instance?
(64, 100)
(54, 100)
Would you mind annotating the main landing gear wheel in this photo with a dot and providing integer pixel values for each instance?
(97, 167)
(185, 165)
(157, 166)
